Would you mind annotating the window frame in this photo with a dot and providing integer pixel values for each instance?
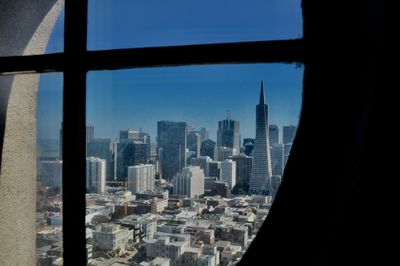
(76, 61)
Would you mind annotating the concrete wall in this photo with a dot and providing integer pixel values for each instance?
(25, 28)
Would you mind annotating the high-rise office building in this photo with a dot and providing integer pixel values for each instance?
(208, 148)
(228, 134)
(260, 180)
(243, 168)
(189, 182)
(133, 135)
(171, 143)
(214, 169)
(95, 175)
(141, 178)
(286, 151)
(228, 172)
(105, 149)
(288, 134)
(224, 153)
(203, 162)
(193, 143)
(273, 134)
(130, 153)
(277, 159)
(89, 133)
(203, 134)
(128, 134)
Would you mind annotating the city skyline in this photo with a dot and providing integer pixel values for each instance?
(133, 191)
(183, 24)
(118, 100)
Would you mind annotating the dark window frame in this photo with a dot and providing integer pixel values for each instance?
(76, 61)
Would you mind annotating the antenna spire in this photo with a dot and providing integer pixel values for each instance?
(262, 101)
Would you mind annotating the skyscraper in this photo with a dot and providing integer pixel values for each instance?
(243, 168)
(189, 182)
(128, 134)
(214, 169)
(228, 172)
(277, 159)
(273, 134)
(260, 180)
(288, 134)
(228, 134)
(95, 175)
(208, 148)
(203, 134)
(203, 163)
(193, 142)
(130, 153)
(89, 133)
(224, 153)
(171, 143)
(105, 149)
(141, 178)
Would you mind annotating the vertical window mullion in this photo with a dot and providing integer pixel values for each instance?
(74, 133)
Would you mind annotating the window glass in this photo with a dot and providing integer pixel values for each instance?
(146, 23)
(186, 156)
(49, 207)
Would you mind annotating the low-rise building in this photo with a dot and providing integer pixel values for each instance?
(111, 236)
(169, 246)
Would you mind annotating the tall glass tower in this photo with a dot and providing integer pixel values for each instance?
(260, 180)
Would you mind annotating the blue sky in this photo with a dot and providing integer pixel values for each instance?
(200, 95)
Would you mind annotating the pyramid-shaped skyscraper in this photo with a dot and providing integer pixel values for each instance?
(260, 180)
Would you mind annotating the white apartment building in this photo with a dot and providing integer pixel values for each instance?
(228, 172)
(189, 182)
(141, 178)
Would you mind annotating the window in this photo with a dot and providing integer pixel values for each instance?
(76, 61)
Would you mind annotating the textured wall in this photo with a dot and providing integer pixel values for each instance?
(25, 28)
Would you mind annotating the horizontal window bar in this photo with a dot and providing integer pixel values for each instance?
(287, 51)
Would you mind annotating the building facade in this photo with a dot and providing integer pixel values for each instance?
(203, 162)
(171, 144)
(260, 180)
(288, 134)
(208, 148)
(228, 172)
(228, 134)
(243, 168)
(277, 159)
(214, 169)
(105, 149)
(274, 134)
(95, 175)
(189, 182)
(131, 153)
(224, 153)
(194, 143)
(141, 178)
(111, 236)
